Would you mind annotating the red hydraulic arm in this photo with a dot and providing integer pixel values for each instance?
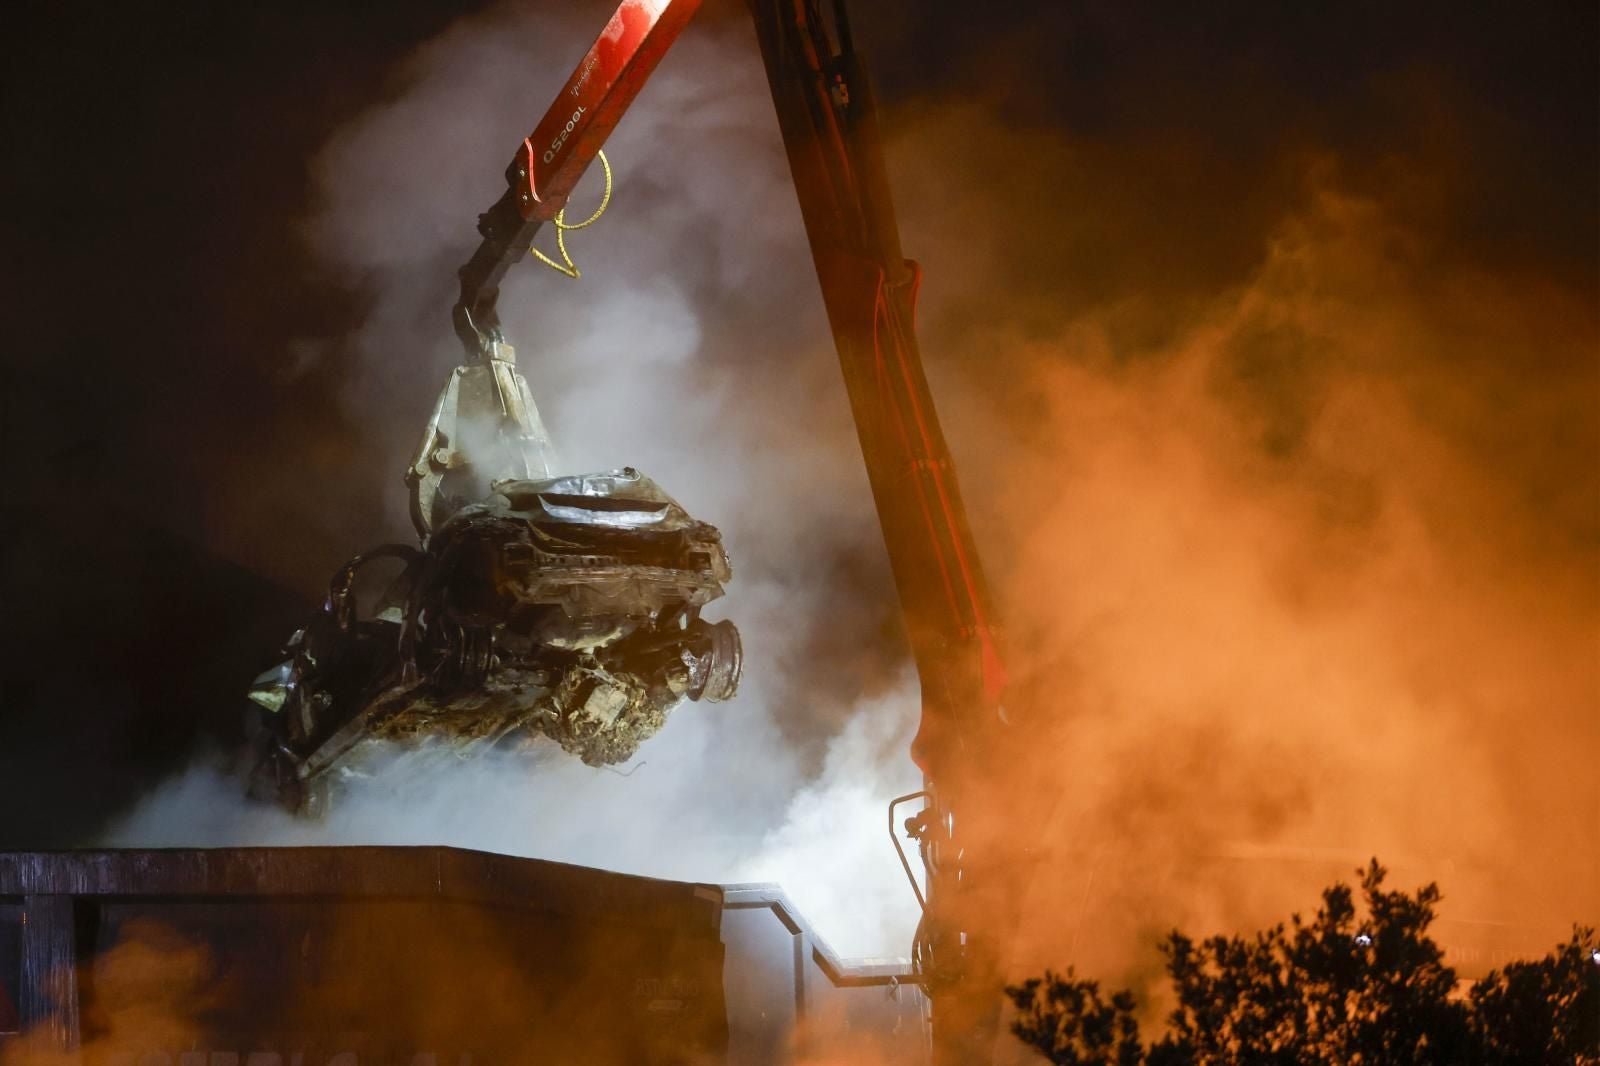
(554, 156)
(825, 109)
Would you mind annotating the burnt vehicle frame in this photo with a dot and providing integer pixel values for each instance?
(564, 609)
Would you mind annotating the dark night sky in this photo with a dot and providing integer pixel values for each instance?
(156, 167)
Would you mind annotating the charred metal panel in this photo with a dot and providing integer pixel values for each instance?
(10, 967)
(760, 984)
(48, 987)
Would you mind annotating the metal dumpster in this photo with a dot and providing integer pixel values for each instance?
(424, 957)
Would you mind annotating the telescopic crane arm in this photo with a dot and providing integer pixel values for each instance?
(555, 155)
(825, 109)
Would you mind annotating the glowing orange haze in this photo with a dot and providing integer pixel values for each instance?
(1312, 579)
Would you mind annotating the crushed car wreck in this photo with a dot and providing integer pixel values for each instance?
(538, 607)
(567, 608)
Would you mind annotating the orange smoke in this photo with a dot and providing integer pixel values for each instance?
(1299, 568)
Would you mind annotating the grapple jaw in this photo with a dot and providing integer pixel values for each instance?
(484, 428)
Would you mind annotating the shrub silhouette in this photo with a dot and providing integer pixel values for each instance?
(1340, 990)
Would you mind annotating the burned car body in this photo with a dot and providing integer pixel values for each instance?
(564, 608)
(537, 611)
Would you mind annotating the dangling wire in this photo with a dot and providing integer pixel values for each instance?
(570, 269)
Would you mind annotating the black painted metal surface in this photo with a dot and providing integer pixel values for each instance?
(425, 957)
(354, 955)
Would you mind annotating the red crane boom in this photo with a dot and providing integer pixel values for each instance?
(826, 111)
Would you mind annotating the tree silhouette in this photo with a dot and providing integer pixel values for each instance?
(1340, 990)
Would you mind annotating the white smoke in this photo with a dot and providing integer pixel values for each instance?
(695, 348)
(708, 799)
